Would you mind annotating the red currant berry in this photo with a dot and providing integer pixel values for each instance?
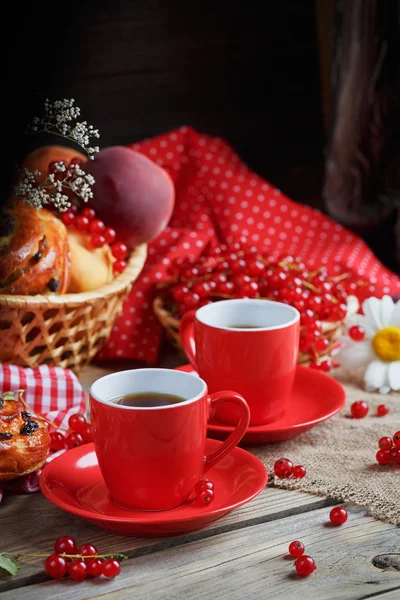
(359, 409)
(255, 268)
(299, 472)
(305, 565)
(385, 443)
(87, 550)
(396, 439)
(77, 569)
(322, 344)
(357, 333)
(89, 213)
(74, 439)
(296, 549)
(202, 289)
(119, 266)
(57, 441)
(326, 365)
(249, 290)
(191, 300)
(383, 457)
(87, 434)
(111, 568)
(56, 566)
(382, 410)
(119, 250)
(109, 235)
(74, 209)
(97, 241)
(226, 288)
(203, 484)
(94, 566)
(394, 455)
(96, 226)
(238, 265)
(81, 222)
(180, 291)
(206, 496)
(283, 468)
(68, 218)
(65, 545)
(77, 422)
(338, 515)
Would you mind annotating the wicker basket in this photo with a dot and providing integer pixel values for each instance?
(65, 330)
(330, 330)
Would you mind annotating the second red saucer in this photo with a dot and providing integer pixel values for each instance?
(315, 397)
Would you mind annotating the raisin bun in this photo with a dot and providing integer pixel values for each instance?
(24, 439)
(34, 251)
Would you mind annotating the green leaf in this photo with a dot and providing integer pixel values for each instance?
(9, 396)
(12, 395)
(8, 564)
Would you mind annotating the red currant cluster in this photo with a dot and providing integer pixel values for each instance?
(85, 220)
(241, 271)
(204, 490)
(305, 565)
(389, 450)
(81, 433)
(80, 563)
(360, 409)
(284, 469)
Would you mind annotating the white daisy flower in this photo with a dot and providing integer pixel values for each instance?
(375, 359)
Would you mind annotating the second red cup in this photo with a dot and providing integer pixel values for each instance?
(246, 345)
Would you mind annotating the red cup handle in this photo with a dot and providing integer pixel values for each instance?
(215, 401)
(186, 333)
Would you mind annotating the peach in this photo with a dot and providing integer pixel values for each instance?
(39, 159)
(131, 194)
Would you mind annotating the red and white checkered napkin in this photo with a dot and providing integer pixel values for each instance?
(51, 392)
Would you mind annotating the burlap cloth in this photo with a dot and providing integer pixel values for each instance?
(339, 456)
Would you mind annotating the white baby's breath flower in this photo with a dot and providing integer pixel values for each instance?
(57, 119)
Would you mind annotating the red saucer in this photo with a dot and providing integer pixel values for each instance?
(74, 483)
(315, 397)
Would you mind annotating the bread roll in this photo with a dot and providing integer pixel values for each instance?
(90, 267)
(34, 251)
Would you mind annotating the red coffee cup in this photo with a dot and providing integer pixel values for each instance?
(246, 345)
(152, 457)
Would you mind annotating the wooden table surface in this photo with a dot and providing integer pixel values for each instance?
(243, 555)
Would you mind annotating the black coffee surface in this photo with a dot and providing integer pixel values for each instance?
(147, 399)
(245, 326)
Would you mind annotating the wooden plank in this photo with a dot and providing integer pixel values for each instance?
(251, 562)
(30, 523)
(129, 36)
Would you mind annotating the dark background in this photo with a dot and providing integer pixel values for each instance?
(254, 72)
(248, 72)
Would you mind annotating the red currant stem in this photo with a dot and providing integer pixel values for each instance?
(292, 266)
(35, 414)
(81, 556)
(312, 287)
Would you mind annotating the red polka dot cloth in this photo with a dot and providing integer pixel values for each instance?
(218, 198)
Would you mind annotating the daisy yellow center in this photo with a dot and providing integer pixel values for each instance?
(386, 343)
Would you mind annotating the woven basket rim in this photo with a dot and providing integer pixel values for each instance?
(134, 266)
